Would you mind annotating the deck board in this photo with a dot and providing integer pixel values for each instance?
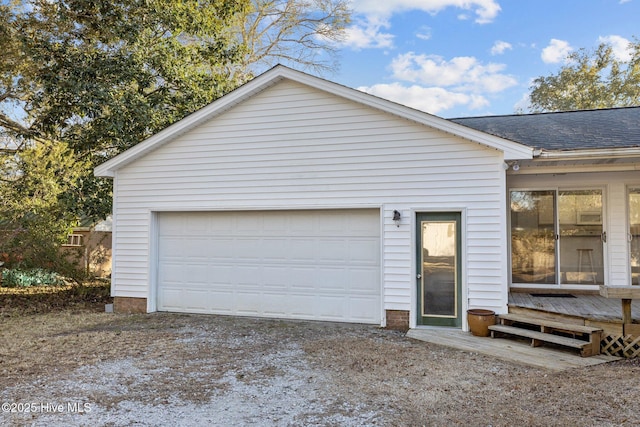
(591, 307)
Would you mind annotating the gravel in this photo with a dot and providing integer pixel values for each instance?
(82, 368)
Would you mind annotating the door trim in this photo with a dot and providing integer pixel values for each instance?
(458, 215)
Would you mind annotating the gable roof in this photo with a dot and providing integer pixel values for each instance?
(563, 131)
(512, 150)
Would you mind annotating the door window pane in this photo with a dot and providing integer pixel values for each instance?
(580, 221)
(533, 237)
(439, 269)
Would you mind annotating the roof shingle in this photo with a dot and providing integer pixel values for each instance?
(570, 130)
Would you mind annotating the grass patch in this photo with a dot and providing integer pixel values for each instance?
(45, 299)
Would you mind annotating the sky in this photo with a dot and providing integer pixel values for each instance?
(460, 58)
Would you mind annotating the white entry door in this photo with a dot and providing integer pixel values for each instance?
(311, 264)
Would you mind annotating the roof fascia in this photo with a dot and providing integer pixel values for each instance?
(586, 154)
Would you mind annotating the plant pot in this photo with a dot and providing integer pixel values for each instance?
(479, 321)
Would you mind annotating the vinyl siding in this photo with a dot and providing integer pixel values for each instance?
(293, 147)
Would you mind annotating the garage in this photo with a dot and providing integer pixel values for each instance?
(299, 264)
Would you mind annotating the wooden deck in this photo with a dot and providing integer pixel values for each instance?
(591, 307)
(579, 309)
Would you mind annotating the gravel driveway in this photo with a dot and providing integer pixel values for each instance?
(97, 369)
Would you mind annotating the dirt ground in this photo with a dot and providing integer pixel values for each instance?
(77, 367)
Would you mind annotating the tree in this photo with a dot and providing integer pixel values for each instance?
(302, 33)
(83, 80)
(590, 80)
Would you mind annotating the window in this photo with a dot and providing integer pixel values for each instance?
(557, 237)
(74, 240)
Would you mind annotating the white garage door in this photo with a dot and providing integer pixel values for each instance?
(321, 265)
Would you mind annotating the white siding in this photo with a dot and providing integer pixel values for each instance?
(292, 147)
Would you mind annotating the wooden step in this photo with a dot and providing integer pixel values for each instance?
(589, 345)
(547, 324)
(537, 338)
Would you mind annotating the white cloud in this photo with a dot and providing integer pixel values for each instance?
(485, 10)
(557, 51)
(429, 99)
(499, 47)
(368, 34)
(462, 73)
(424, 34)
(372, 17)
(620, 46)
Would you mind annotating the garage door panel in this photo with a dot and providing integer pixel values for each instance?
(195, 300)
(332, 307)
(363, 280)
(275, 278)
(171, 272)
(221, 301)
(245, 272)
(302, 278)
(302, 250)
(219, 248)
(248, 303)
(274, 249)
(247, 249)
(172, 247)
(221, 273)
(364, 251)
(296, 264)
(332, 280)
(199, 274)
(275, 304)
(361, 309)
(300, 223)
(168, 295)
(333, 251)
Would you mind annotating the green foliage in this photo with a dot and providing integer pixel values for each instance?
(590, 80)
(101, 76)
(14, 278)
(84, 80)
(36, 218)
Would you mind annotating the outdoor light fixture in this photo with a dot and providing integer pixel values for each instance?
(515, 166)
(396, 218)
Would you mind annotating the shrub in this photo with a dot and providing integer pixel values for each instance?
(15, 277)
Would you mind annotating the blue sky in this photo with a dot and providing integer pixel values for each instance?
(457, 58)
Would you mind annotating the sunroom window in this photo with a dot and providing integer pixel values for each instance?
(557, 237)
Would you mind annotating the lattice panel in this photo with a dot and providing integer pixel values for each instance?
(622, 346)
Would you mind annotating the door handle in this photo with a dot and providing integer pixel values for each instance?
(419, 276)
(604, 237)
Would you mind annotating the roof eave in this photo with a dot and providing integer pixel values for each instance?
(586, 154)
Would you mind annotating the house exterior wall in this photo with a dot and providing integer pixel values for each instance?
(294, 147)
(615, 222)
(94, 255)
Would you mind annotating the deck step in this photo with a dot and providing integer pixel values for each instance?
(541, 336)
(551, 324)
(542, 330)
